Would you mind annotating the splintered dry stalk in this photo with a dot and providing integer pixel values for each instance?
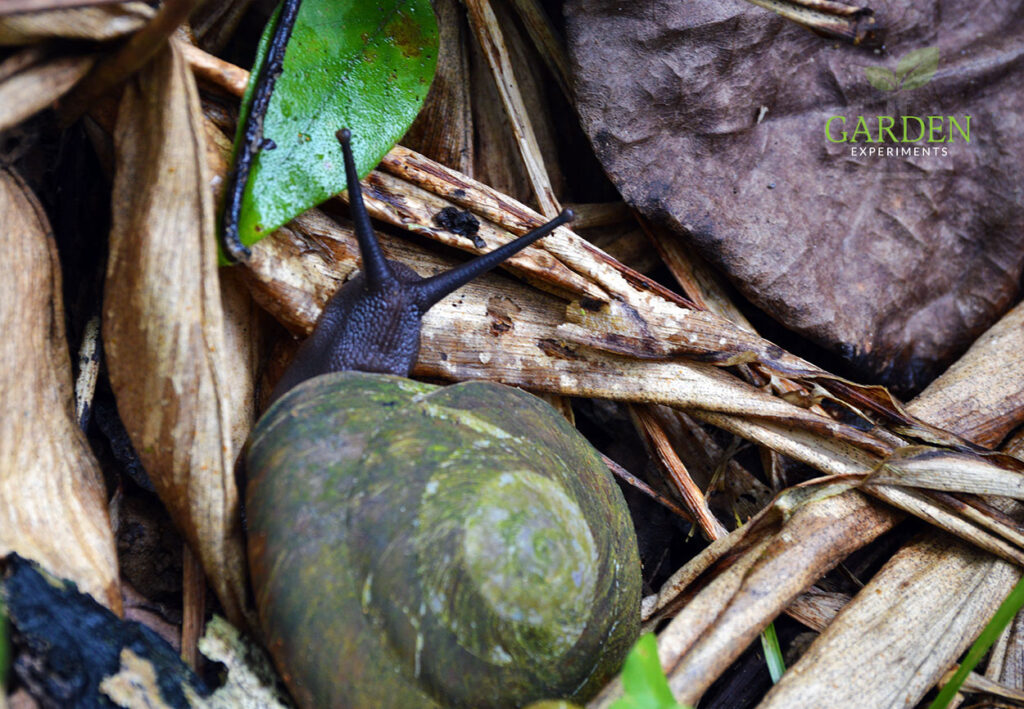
(698, 280)
(702, 285)
(488, 33)
(252, 141)
(600, 214)
(678, 475)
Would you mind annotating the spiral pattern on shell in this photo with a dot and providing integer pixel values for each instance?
(419, 546)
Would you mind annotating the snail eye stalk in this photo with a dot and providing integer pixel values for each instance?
(375, 266)
(428, 291)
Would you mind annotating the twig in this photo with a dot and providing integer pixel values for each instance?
(633, 481)
(678, 474)
(600, 214)
(215, 70)
(253, 142)
(548, 44)
(855, 25)
(488, 33)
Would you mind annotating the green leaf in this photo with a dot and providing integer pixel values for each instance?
(365, 66)
(773, 653)
(643, 682)
(881, 78)
(918, 67)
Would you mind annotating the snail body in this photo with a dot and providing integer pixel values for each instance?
(422, 546)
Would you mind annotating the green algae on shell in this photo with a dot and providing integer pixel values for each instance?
(423, 546)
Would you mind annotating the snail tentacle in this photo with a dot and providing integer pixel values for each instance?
(430, 290)
(375, 266)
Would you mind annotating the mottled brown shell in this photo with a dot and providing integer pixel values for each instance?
(415, 546)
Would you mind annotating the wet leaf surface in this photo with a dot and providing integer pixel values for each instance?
(362, 66)
(710, 118)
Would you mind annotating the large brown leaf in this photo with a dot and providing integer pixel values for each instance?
(53, 505)
(710, 118)
(164, 330)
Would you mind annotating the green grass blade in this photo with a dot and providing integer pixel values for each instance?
(1006, 612)
(772, 653)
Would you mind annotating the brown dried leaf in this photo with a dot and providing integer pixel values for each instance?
(37, 87)
(164, 330)
(97, 24)
(839, 247)
(53, 506)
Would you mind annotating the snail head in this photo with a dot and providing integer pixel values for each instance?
(372, 323)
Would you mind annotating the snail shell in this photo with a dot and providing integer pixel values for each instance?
(421, 546)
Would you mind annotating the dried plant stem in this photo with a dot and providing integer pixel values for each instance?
(215, 70)
(699, 281)
(549, 45)
(680, 478)
(488, 33)
(600, 214)
(855, 25)
(630, 479)
(705, 287)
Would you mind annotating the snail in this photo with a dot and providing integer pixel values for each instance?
(418, 546)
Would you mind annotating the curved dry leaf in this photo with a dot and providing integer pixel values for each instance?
(97, 24)
(163, 327)
(36, 88)
(53, 506)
